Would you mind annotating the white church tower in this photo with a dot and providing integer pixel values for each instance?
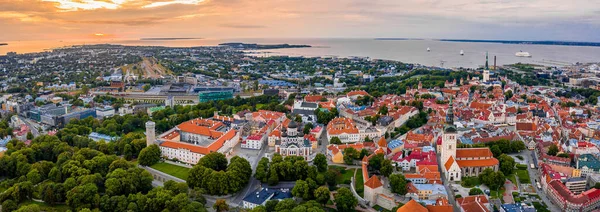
(486, 71)
(150, 133)
(449, 136)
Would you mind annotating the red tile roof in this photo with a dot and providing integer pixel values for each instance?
(412, 206)
(373, 182)
(341, 125)
(213, 147)
(449, 163)
(473, 152)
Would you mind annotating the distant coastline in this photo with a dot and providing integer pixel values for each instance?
(262, 46)
(398, 39)
(556, 43)
(170, 38)
(3, 44)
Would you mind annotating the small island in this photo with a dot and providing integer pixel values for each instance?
(3, 44)
(262, 46)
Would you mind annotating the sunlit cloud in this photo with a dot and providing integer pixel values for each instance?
(99, 34)
(69, 5)
(165, 3)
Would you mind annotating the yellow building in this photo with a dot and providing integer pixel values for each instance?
(576, 173)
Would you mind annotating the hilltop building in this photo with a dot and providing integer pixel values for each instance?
(191, 140)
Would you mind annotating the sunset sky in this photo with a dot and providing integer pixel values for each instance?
(131, 19)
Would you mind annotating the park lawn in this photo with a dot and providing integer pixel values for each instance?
(345, 175)
(470, 182)
(523, 176)
(46, 207)
(498, 194)
(512, 178)
(360, 183)
(173, 170)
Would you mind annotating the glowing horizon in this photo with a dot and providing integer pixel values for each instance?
(458, 19)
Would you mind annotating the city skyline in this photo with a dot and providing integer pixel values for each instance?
(463, 19)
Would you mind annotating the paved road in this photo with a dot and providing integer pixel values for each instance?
(32, 126)
(534, 176)
(446, 184)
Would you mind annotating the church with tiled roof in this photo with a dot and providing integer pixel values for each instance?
(463, 162)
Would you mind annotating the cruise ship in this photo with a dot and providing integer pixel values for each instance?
(522, 54)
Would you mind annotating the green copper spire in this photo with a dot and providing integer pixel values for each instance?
(487, 67)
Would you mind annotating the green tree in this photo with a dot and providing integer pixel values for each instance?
(214, 160)
(301, 190)
(517, 146)
(149, 155)
(273, 178)
(29, 136)
(335, 140)
(496, 150)
(285, 205)
(492, 179)
(475, 191)
(507, 164)
(147, 87)
(345, 200)
(34, 176)
(375, 162)
(320, 162)
(262, 170)
(322, 195)
(307, 127)
(386, 168)
(30, 208)
(398, 184)
(83, 196)
(9, 205)
(553, 150)
(270, 205)
(383, 110)
(331, 175)
(221, 205)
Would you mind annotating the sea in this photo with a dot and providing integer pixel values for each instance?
(442, 53)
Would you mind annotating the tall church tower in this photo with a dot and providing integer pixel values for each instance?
(150, 133)
(486, 71)
(449, 136)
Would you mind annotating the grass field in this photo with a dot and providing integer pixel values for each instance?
(497, 194)
(523, 176)
(345, 174)
(360, 183)
(512, 178)
(173, 170)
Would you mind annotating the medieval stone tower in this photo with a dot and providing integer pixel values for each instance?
(150, 133)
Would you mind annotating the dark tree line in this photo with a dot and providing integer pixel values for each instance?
(217, 177)
(84, 178)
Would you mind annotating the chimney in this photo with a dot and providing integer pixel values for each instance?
(494, 62)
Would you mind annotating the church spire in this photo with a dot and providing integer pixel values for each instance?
(487, 67)
(450, 118)
(450, 114)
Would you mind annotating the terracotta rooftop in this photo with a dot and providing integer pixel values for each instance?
(473, 152)
(342, 125)
(449, 163)
(373, 182)
(412, 206)
(213, 147)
